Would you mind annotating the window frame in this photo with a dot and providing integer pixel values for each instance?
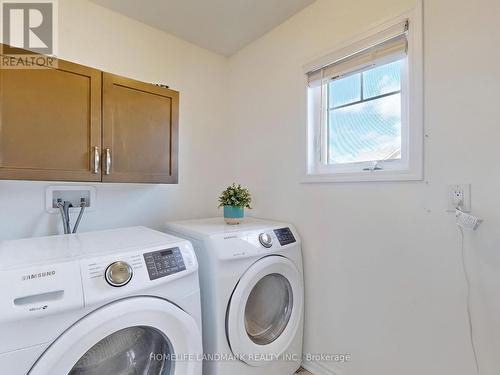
(410, 166)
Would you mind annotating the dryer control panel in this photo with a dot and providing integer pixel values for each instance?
(284, 236)
(164, 262)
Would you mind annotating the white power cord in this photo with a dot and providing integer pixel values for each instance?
(469, 314)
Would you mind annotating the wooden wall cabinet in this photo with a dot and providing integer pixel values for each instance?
(76, 123)
(50, 122)
(140, 131)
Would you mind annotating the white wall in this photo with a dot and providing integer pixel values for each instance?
(95, 36)
(383, 273)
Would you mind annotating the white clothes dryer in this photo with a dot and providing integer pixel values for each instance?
(252, 292)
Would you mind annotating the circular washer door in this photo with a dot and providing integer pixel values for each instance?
(265, 310)
(139, 335)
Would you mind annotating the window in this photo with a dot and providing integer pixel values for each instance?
(364, 116)
(365, 107)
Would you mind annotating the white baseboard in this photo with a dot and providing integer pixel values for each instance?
(317, 368)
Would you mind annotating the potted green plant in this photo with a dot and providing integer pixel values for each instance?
(234, 200)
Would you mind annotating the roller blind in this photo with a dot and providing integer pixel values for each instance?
(387, 46)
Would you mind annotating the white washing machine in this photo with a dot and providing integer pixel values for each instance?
(252, 295)
(117, 302)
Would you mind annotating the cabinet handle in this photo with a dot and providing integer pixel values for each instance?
(97, 160)
(107, 168)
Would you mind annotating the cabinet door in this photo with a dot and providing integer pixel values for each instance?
(50, 123)
(140, 131)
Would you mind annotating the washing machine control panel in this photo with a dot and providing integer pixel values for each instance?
(163, 263)
(284, 236)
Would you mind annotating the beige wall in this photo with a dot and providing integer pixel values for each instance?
(383, 273)
(95, 36)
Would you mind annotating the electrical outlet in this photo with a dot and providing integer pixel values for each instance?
(459, 197)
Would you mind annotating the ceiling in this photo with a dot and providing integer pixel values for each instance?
(223, 26)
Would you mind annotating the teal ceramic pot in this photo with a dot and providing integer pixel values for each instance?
(233, 214)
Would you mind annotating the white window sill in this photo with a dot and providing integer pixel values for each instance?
(368, 176)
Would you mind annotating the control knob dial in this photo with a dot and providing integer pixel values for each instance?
(118, 273)
(265, 240)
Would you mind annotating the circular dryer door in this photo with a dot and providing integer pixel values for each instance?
(140, 335)
(265, 310)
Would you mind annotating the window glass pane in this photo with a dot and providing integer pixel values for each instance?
(344, 91)
(368, 131)
(382, 80)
